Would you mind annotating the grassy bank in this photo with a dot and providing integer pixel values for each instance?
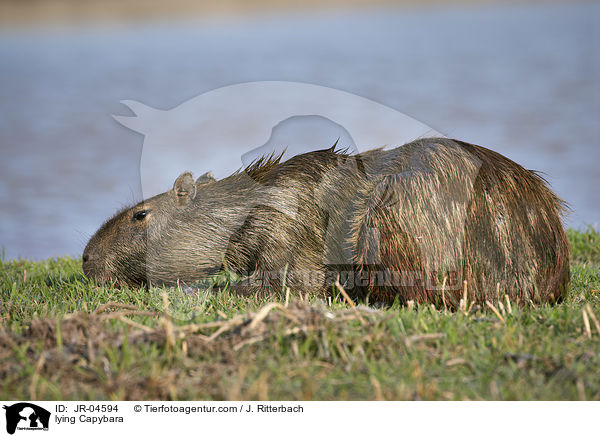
(63, 337)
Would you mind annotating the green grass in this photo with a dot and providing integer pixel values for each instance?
(61, 339)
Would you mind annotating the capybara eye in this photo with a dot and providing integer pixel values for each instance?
(141, 215)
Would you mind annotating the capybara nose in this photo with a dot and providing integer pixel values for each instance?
(86, 264)
(87, 257)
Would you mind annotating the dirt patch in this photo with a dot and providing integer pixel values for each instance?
(102, 353)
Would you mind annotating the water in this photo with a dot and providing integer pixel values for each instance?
(522, 80)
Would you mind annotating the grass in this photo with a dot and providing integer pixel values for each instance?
(63, 337)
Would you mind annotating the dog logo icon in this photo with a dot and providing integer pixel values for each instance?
(26, 416)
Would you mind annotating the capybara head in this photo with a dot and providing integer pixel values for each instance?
(125, 247)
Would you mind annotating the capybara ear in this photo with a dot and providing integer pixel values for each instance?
(184, 188)
(206, 178)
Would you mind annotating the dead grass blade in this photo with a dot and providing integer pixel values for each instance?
(264, 312)
(168, 324)
(463, 301)
(444, 293)
(588, 309)
(343, 292)
(36, 376)
(258, 338)
(586, 324)
(377, 389)
(493, 308)
(109, 305)
(508, 305)
(144, 328)
(409, 341)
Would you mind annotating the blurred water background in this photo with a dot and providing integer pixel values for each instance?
(523, 80)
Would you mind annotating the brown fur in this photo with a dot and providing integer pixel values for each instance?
(392, 224)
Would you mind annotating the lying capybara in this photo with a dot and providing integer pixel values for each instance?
(420, 222)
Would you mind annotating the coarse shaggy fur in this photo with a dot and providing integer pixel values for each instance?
(417, 222)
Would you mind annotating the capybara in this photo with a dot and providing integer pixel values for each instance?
(434, 215)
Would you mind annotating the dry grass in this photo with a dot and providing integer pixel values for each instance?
(62, 337)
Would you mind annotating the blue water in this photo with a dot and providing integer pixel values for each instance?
(523, 80)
